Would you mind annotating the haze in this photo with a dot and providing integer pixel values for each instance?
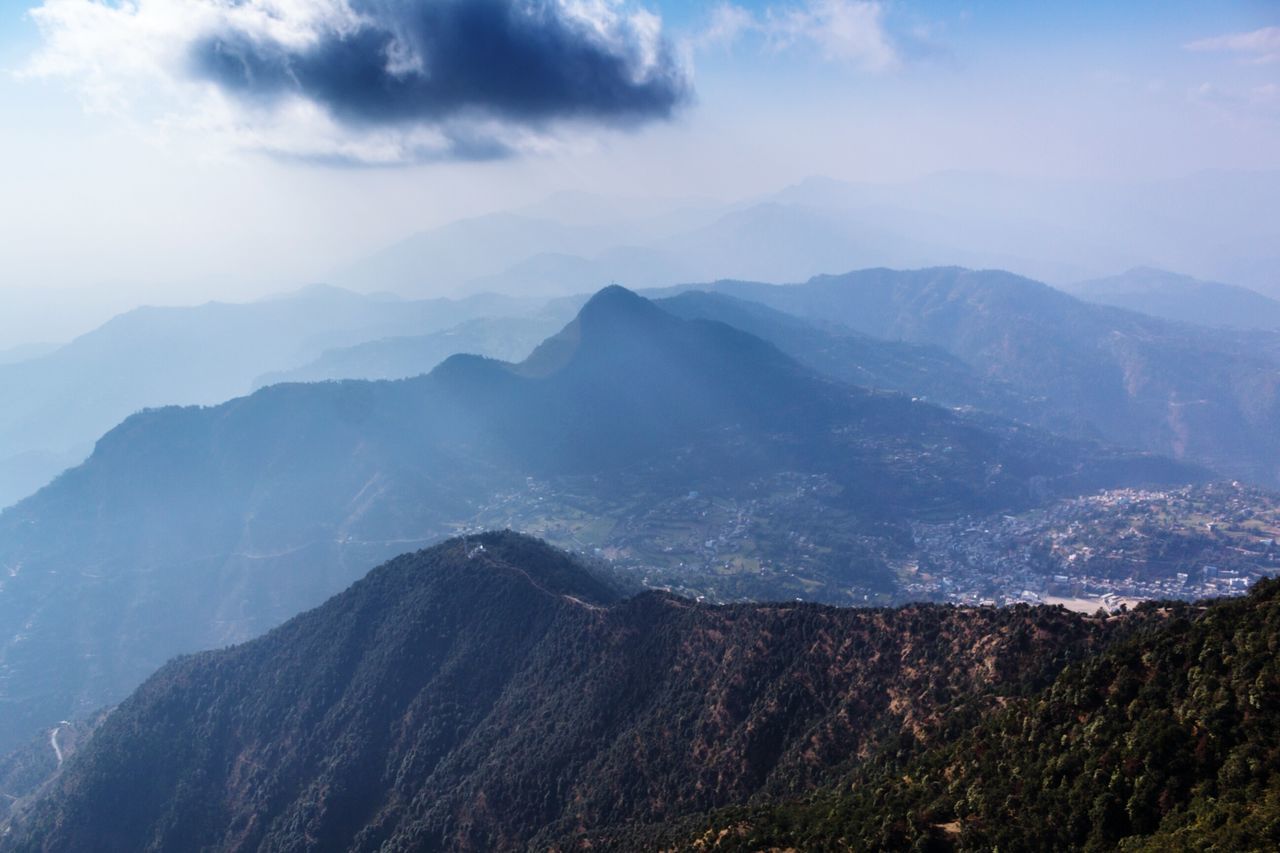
(131, 175)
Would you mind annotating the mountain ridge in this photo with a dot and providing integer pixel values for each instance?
(369, 722)
(60, 402)
(1204, 395)
(202, 526)
(1182, 298)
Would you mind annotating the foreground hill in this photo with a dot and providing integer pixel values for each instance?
(491, 694)
(191, 528)
(1165, 741)
(58, 404)
(1210, 396)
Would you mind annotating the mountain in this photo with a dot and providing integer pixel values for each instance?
(1222, 228)
(491, 694)
(631, 431)
(569, 243)
(1166, 740)
(59, 403)
(1216, 224)
(25, 352)
(502, 338)
(443, 259)
(1211, 396)
(26, 771)
(1182, 298)
(37, 315)
(836, 351)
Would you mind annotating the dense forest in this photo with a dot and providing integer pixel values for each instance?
(492, 693)
(1168, 740)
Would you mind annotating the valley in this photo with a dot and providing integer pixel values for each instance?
(787, 538)
(685, 454)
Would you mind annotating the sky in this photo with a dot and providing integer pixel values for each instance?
(183, 149)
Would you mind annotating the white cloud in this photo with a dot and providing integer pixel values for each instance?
(843, 30)
(1258, 47)
(134, 58)
(728, 24)
(846, 31)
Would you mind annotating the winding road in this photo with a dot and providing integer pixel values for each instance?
(53, 741)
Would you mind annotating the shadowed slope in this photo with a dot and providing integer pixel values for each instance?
(489, 692)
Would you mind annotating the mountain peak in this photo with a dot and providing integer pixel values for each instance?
(616, 300)
(609, 314)
(549, 569)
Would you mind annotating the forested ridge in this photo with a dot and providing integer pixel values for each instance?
(1167, 740)
(492, 694)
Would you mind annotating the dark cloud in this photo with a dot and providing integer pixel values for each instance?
(525, 62)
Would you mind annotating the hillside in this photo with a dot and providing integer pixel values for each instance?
(838, 352)
(1165, 741)
(691, 453)
(59, 403)
(1182, 298)
(491, 694)
(1209, 396)
(502, 338)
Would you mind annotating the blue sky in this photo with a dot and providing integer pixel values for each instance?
(116, 174)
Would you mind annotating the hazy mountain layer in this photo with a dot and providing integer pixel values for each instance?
(190, 528)
(837, 351)
(502, 338)
(1058, 231)
(58, 404)
(1182, 298)
(1210, 396)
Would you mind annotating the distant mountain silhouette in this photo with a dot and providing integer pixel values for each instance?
(503, 338)
(841, 353)
(192, 527)
(57, 404)
(25, 352)
(1182, 298)
(1205, 395)
(1057, 231)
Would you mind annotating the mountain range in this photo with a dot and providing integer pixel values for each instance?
(1203, 395)
(1210, 396)
(493, 694)
(1056, 231)
(503, 338)
(192, 527)
(59, 403)
(1182, 298)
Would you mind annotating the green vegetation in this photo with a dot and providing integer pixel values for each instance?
(1168, 740)
(490, 693)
